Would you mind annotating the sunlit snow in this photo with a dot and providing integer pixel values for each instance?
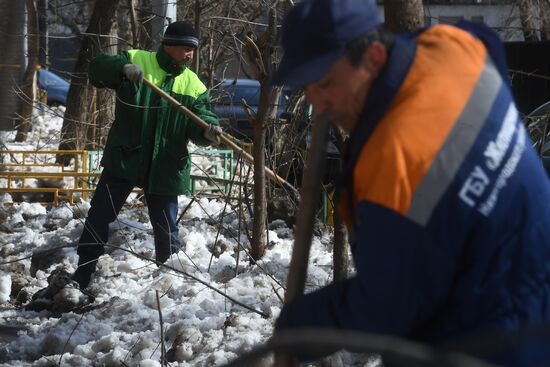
(202, 327)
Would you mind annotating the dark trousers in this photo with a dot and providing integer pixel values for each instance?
(109, 197)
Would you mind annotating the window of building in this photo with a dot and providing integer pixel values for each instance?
(477, 19)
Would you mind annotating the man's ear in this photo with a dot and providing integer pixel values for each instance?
(375, 57)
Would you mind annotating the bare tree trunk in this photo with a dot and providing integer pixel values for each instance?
(260, 204)
(43, 57)
(105, 100)
(143, 13)
(403, 15)
(133, 23)
(545, 20)
(340, 259)
(262, 55)
(196, 54)
(29, 79)
(526, 16)
(139, 27)
(104, 107)
(11, 30)
(126, 27)
(77, 113)
(210, 63)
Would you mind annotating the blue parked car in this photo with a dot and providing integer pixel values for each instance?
(55, 86)
(226, 103)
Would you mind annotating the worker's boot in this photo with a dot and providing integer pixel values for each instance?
(83, 274)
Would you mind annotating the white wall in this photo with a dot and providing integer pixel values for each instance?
(166, 11)
(503, 18)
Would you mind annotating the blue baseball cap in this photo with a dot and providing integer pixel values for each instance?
(315, 34)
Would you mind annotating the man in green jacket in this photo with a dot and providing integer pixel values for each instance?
(147, 143)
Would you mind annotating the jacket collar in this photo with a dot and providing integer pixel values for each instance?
(385, 87)
(168, 64)
(388, 83)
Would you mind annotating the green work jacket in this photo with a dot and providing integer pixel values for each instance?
(147, 143)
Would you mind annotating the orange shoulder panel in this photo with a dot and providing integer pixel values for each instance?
(444, 73)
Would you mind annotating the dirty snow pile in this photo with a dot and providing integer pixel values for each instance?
(201, 324)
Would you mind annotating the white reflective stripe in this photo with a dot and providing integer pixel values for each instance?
(182, 39)
(496, 149)
(507, 171)
(456, 147)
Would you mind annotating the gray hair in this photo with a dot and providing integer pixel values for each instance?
(355, 48)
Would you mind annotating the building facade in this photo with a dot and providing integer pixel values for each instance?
(501, 15)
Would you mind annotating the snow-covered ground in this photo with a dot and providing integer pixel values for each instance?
(122, 326)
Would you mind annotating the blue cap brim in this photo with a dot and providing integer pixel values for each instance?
(293, 75)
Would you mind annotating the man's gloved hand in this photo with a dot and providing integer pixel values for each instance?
(133, 73)
(213, 133)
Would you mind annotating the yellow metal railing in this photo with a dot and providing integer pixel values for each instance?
(19, 170)
(25, 165)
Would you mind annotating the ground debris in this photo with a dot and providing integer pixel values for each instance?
(61, 295)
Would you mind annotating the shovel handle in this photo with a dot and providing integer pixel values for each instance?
(223, 137)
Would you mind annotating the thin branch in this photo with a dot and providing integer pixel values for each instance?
(162, 345)
(239, 20)
(70, 336)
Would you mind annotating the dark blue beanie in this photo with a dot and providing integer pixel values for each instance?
(181, 33)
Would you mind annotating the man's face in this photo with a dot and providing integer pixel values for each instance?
(180, 54)
(343, 90)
